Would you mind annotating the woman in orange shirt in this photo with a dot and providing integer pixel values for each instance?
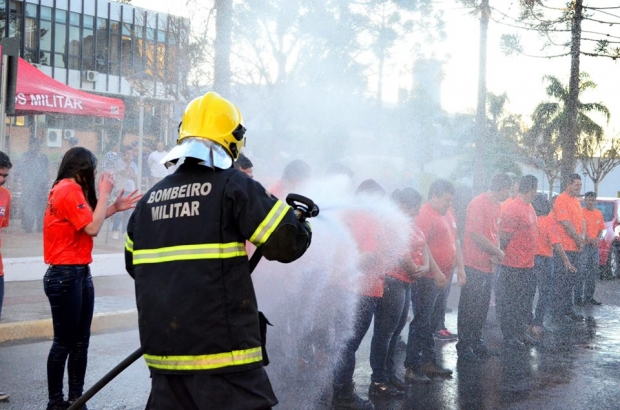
(74, 215)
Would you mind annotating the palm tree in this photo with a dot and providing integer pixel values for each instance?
(547, 136)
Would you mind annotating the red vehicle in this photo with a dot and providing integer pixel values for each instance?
(609, 245)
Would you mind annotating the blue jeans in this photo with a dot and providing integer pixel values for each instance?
(366, 308)
(390, 320)
(516, 288)
(543, 268)
(70, 291)
(473, 308)
(588, 269)
(438, 320)
(565, 282)
(421, 345)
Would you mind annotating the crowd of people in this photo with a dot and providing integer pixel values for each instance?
(211, 349)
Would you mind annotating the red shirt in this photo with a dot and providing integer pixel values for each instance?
(5, 214)
(483, 219)
(67, 213)
(519, 219)
(417, 245)
(547, 235)
(440, 233)
(568, 208)
(594, 222)
(367, 232)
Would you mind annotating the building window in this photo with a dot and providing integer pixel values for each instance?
(75, 43)
(60, 38)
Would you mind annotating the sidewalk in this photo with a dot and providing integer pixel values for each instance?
(26, 312)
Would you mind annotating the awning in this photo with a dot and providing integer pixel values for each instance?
(38, 93)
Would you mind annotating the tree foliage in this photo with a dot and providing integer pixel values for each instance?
(543, 140)
(599, 156)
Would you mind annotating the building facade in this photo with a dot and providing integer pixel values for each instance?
(107, 48)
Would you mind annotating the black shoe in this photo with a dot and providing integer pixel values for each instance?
(431, 368)
(378, 389)
(58, 405)
(4, 396)
(575, 317)
(398, 383)
(580, 302)
(415, 375)
(70, 402)
(345, 398)
(594, 302)
(514, 344)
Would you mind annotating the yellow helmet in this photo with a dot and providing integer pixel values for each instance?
(214, 118)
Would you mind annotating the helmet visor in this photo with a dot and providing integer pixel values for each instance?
(210, 153)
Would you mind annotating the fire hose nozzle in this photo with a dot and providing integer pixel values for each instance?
(303, 207)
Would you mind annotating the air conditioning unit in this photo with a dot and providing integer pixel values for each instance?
(67, 134)
(54, 137)
(90, 76)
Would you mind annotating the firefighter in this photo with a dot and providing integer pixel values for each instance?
(198, 318)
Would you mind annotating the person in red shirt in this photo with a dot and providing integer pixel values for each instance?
(589, 258)
(438, 224)
(548, 244)
(569, 215)
(516, 282)
(74, 215)
(5, 213)
(367, 232)
(481, 254)
(391, 316)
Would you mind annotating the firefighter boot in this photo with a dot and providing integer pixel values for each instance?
(345, 398)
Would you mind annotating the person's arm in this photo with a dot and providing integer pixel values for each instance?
(572, 232)
(460, 267)
(123, 203)
(106, 183)
(557, 248)
(438, 276)
(504, 239)
(485, 245)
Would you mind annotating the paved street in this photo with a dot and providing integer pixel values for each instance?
(573, 369)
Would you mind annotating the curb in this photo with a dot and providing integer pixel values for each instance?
(38, 329)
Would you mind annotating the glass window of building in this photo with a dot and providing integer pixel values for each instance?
(60, 38)
(15, 18)
(75, 41)
(101, 46)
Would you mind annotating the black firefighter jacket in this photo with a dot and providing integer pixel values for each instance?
(185, 248)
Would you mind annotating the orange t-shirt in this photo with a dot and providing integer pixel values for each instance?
(417, 245)
(594, 222)
(5, 214)
(519, 219)
(568, 208)
(367, 232)
(547, 235)
(440, 233)
(483, 219)
(67, 213)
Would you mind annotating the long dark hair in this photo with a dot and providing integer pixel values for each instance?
(80, 163)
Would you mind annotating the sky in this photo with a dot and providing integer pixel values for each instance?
(519, 77)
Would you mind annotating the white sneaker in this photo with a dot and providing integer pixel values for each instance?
(115, 235)
(4, 396)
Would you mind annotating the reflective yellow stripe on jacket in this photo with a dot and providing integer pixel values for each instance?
(205, 362)
(269, 224)
(186, 252)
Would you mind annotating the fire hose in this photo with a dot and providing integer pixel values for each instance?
(303, 207)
